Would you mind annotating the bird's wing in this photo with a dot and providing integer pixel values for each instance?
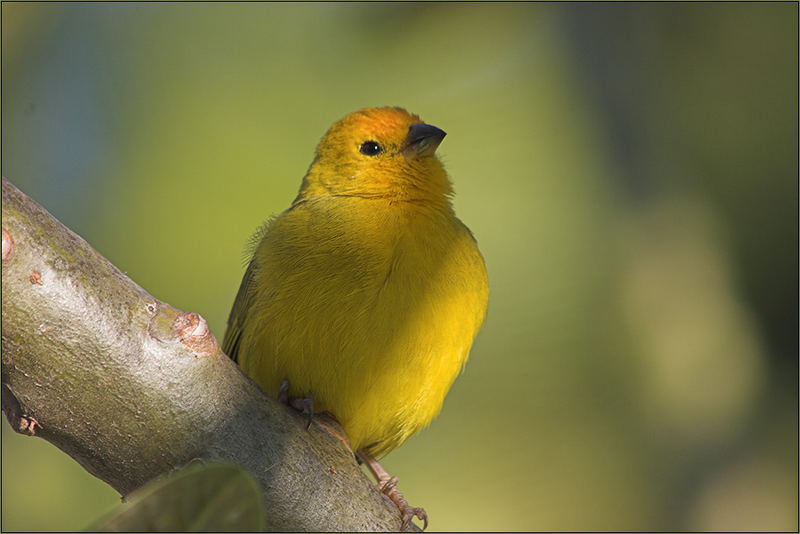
(239, 311)
(244, 298)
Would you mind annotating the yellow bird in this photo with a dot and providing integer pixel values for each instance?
(367, 292)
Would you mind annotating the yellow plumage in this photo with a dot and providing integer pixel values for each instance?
(368, 291)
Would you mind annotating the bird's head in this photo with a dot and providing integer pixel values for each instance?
(379, 153)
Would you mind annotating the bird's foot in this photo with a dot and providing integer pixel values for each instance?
(408, 512)
(303, 405)
(388, 486)
(283, 392)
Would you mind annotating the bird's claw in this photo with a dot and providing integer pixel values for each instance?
(410, 513)
(305, 405)
(388, 485)
(283, 392)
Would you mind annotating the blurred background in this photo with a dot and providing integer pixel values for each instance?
(629, 171)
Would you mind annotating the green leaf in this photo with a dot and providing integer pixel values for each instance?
(214, 497)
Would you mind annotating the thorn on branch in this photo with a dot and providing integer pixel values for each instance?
(192, 330)
(22, 423)
(27, 425)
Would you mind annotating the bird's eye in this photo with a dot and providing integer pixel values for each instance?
(370, 148)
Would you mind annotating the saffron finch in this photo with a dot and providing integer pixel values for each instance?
(367, 292)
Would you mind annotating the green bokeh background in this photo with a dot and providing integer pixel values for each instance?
(629, 171)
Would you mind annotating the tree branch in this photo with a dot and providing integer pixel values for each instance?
(131, 387)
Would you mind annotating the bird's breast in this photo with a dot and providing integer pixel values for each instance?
(372, 314)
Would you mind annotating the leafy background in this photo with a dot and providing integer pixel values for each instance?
(629, 170)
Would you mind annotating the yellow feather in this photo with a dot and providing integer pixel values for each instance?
(368, 291)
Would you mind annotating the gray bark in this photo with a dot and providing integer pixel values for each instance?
(131, 387)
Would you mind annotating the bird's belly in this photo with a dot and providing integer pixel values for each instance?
(379, 356)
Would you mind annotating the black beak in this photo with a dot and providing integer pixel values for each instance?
(422, 139)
